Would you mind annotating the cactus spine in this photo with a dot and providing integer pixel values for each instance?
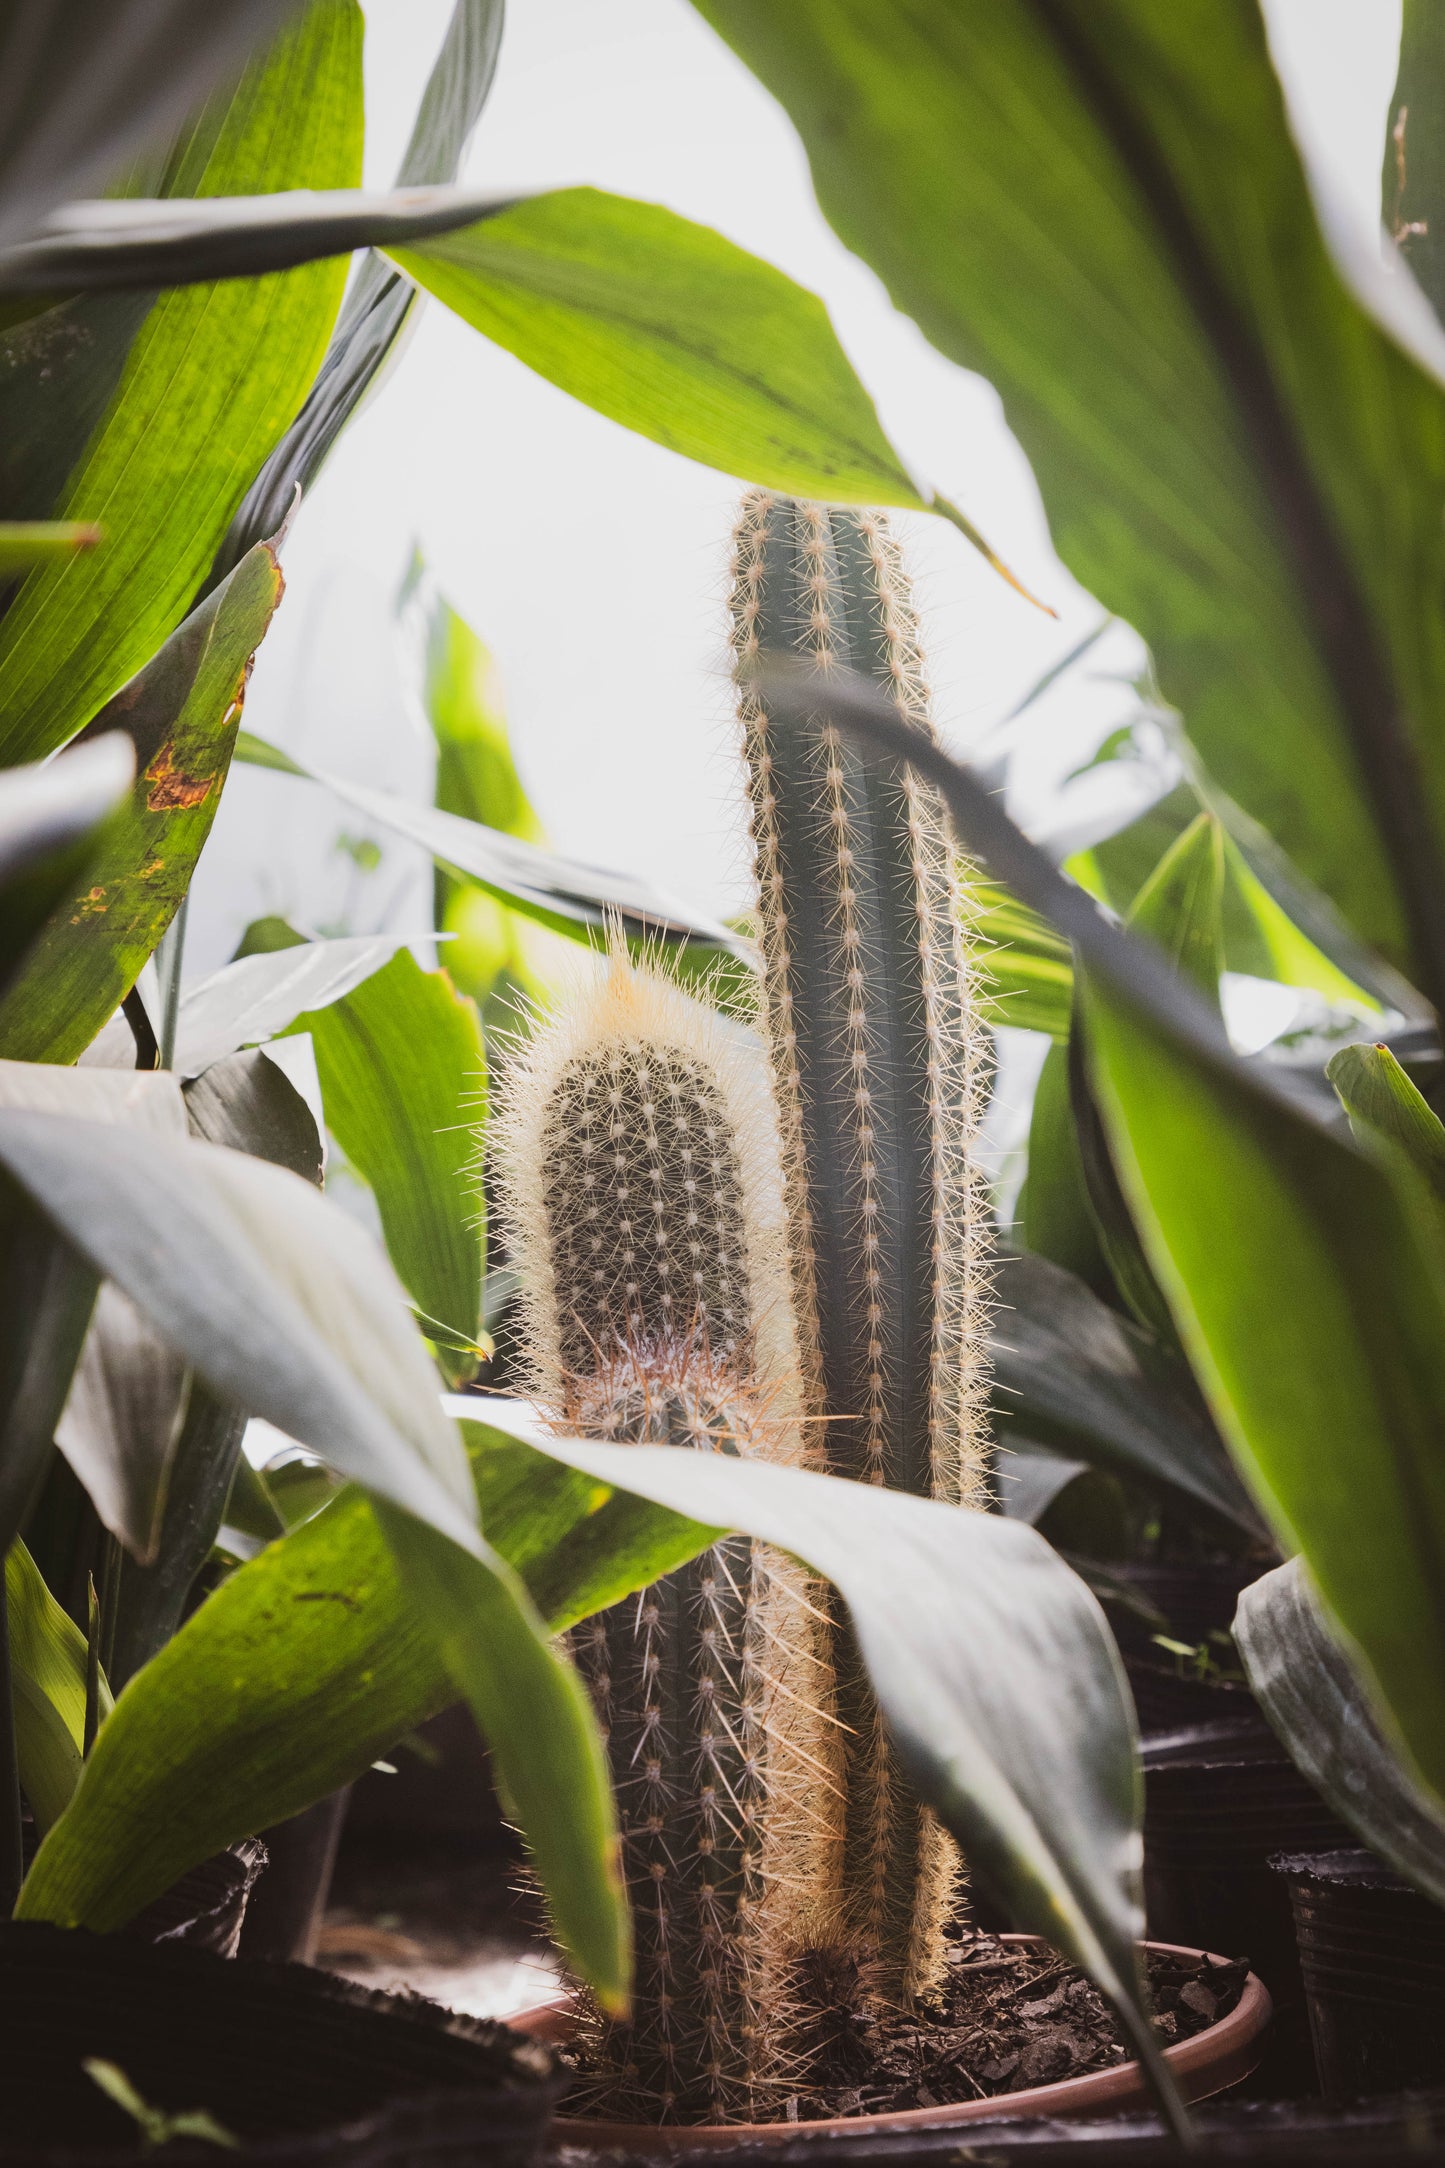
(643, 1198)
(878, 1066)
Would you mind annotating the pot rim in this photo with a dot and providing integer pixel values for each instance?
(1213, 2059)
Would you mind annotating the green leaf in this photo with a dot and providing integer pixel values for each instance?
(1181, 905)
(1058, 1222)
(24, 543)
(47, 1291)
(268, 1291)
(1308, 1286)
(181, 715)
(1098, 204)
(138, 243)
(1307, 1686)
(536, 1718)
(122, 1420)
(51, 828)
(1380, 1099)
(212, 377)
(47, 1680)
(247, 1102)
(673, 331)
(1075, 1375)
(260, 995)
(89, 82)
(339, 1663)
(379, 300)
(1025, 972)
(404, 1080)
(562, 893)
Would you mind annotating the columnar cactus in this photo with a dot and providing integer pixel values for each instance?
(638, 1152)
(878, 1066)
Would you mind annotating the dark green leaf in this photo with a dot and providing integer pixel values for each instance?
(131, 242)
(404, 1081)
(673, 331)
(247, 1102)
(569, 897)
(380, 299)
(1313, 1696)
(1379, 1098)
(181, 714)
(1074, 1374)
(122, 1420)
(209, 381)
(1099, 205)
(1181, 905)
(85, 83)
(1057, 1220)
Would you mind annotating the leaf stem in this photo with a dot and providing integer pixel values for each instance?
(169, 958)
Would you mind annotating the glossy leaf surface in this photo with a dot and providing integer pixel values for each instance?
(207, 381)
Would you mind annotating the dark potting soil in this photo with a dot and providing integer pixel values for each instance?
(1006, 2019)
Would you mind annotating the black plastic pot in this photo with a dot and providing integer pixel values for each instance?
(1193, 1602)
(1220, 1800)
(286, 1907)
(301, 2067)
(1372, 1955)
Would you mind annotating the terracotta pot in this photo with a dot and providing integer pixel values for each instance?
(1207, 2064)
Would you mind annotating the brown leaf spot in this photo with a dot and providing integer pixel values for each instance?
(171, 789)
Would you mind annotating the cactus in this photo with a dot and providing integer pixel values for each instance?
(642, 1197)
(878, 1066)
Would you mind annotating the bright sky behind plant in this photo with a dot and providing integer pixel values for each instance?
(594, 563)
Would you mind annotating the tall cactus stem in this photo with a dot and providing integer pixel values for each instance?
(643, 1203)
(879, 1067)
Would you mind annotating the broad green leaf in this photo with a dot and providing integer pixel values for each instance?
(140, 243)
(212, 377)
(47, 1682)
(404, 1080)
(51, 828)
(181, 714)
(260, 995)
(535, 1715)
(675, 332)
(1412, 194)
(86, 83)
(1025, 973)
(1075, 1375)
(379, 300)
(270, 1293)
(1379, 1097)
(24, 543)
(1307, 1686)
(562, 893)
(47, 1290)
(339, 1662)
(1308, 1285)
(1098, 204)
